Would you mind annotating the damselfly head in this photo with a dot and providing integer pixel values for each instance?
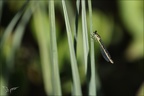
(95, 32)
(95, 35)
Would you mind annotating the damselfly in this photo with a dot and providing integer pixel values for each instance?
(104, 51)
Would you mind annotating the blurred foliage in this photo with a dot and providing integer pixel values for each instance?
(132, 16)
(141, 90)
(120, 25)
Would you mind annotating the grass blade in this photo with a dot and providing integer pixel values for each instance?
(41, 24)
(75, 73)
(17, 37)
(85, 35)
(76, 24)
(10, 27)
(12, 24)
(92, 83)
(54, 54)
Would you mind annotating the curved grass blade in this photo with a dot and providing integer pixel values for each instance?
(85, 35)
(54, 54)
(12, 24)
(75, 73)
(17, 37)
(6, 35)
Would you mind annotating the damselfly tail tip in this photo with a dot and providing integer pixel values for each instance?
(111, 61)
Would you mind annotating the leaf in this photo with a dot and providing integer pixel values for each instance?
(75, 74)
(85, 35)
(54, 53)
(41, 23)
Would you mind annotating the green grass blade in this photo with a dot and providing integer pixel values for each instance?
(85, 35)
(41, 24)
(10, 27)
(54, 54)
(17, 37)
(92, 83)
(78, 5)
(75, 73)
(76, 25)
